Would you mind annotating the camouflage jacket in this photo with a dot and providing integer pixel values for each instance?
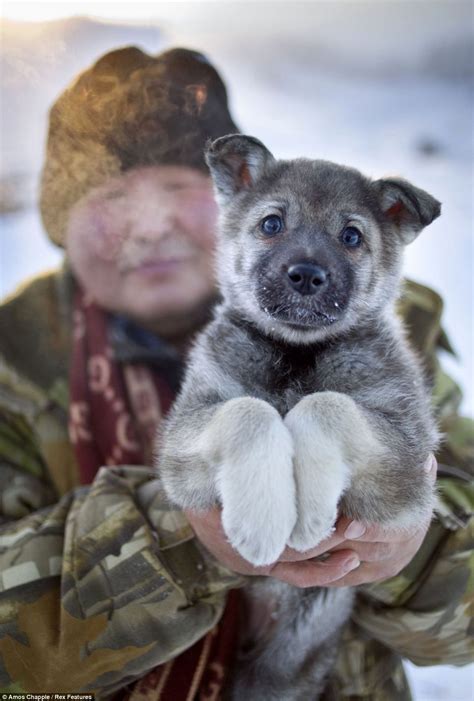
(100, 584)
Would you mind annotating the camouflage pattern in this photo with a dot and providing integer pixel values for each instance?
(424, 614)
(100, 584)
(103, 573)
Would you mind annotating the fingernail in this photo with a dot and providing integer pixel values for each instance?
(428, 466)
(351, 564)
(354, 530)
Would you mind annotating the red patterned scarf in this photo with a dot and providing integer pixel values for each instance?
(115, 409)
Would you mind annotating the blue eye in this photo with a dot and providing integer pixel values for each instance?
(351, 237)
(271, 225)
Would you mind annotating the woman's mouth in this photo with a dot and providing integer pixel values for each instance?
(158, 266)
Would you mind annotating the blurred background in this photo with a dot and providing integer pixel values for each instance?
(386, 87)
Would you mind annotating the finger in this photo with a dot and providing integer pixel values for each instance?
(368, 573)
(357, 531)
(290, 555)
(353, 530)
(380, 551)
(371, 533)
(372, 552)
(211, 518)
(314, 573)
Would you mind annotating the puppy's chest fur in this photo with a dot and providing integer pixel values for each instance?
(282, 374)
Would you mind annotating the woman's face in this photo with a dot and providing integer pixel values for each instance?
(142, 244)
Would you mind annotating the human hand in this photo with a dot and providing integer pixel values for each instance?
(298, 569)
(383, 552)
(351, 556)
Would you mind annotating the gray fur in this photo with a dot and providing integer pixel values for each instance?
(294, 404)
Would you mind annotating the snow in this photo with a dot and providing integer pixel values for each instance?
(385, 87)
(444, 683)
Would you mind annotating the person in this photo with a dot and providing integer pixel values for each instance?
(105, 587)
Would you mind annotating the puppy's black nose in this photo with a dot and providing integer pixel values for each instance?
(306, 278)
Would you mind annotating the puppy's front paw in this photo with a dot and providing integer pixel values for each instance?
(256, 483)
(311, 529)
(259, 533)
(320, 473)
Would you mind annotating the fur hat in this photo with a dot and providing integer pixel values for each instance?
(129, 109)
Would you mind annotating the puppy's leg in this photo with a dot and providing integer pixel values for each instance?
(253, 453)
(321, 472)
(341, 448)
(238, 453)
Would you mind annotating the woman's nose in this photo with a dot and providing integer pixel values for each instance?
(152, 227)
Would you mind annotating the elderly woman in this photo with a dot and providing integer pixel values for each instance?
(104, 587)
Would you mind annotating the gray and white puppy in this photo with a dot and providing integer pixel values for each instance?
(302, 395)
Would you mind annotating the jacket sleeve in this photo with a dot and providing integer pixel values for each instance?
(100, 587)
(425, 613)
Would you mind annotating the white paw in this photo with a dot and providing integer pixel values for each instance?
(321, 477)
(311, 529)
(260, 535)
(256, 484)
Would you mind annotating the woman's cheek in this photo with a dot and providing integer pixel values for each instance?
(105, 233)
(200, 220)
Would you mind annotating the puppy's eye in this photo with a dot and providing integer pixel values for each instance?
(351, 237)
(271, 225)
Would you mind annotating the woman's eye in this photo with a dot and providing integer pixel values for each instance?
(271, 225)
(114, 194)
(351, 237)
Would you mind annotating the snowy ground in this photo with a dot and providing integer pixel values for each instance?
(441, 683)
(381, 86)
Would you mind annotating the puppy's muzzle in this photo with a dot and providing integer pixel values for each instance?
(307, 278)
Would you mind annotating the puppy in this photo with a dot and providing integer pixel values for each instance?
(302, 395)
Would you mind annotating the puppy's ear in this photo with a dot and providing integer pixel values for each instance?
(406, 206)
(236, 162)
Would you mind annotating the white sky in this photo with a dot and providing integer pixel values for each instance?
(108, 9)
(37, 10)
